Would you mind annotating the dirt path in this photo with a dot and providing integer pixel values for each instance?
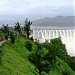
(2, 42)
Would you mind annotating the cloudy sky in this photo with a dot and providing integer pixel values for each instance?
(17, 10)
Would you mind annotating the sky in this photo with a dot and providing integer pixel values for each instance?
(18, 10)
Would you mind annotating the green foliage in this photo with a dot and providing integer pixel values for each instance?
(71, 62)
(65, 73)
(55, 49)
(59, 48)
(60, 67)
(12, 38)
(1, 37)
(23, 35)
(46, 45)
(17, 27)
(37, 57)
(15, 60)
(31, 38)
(0, 55)
(28, 45)
(27, 28)
(5, 29)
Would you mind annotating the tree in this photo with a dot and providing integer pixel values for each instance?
(5, 29)
(29, 45)
(59, 48)
(26, 28)
(51, 55)
(12, 38)
(71, 62)
(37, 57)
(17, 27)
(46, 45)
(66, 73)
(44, 58)
(55, 48)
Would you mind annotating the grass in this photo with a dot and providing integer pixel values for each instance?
(15, 60)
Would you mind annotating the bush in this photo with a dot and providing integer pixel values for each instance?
(1, 38)
(23, 35)
(12, 37)
(32, 57)
(37, 57)
(31, 38)
(29, 45)
(65, 73)
(71, 62)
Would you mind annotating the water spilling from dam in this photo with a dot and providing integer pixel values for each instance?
(67, 36)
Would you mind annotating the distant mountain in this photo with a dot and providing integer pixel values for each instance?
(58, 21)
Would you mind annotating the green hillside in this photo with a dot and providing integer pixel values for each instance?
(14, 60)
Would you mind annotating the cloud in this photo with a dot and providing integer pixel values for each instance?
(34, 9)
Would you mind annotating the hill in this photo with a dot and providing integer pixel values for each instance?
(58, 21)
(14, 60)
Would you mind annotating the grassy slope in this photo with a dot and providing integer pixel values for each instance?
(15, 62)
(14, 59)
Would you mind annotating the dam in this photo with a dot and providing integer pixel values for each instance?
(67, 35)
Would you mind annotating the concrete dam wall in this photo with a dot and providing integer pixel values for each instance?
(67, 36)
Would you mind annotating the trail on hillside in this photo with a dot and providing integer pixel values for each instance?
(2, 42)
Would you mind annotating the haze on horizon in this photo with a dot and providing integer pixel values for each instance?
(12, 11)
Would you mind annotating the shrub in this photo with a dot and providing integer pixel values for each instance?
(37, 57)
(23, 35)
(65, 73)
(1, 38)
(71, 62)
(12, 38)
(29, 45)
(31, 38)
